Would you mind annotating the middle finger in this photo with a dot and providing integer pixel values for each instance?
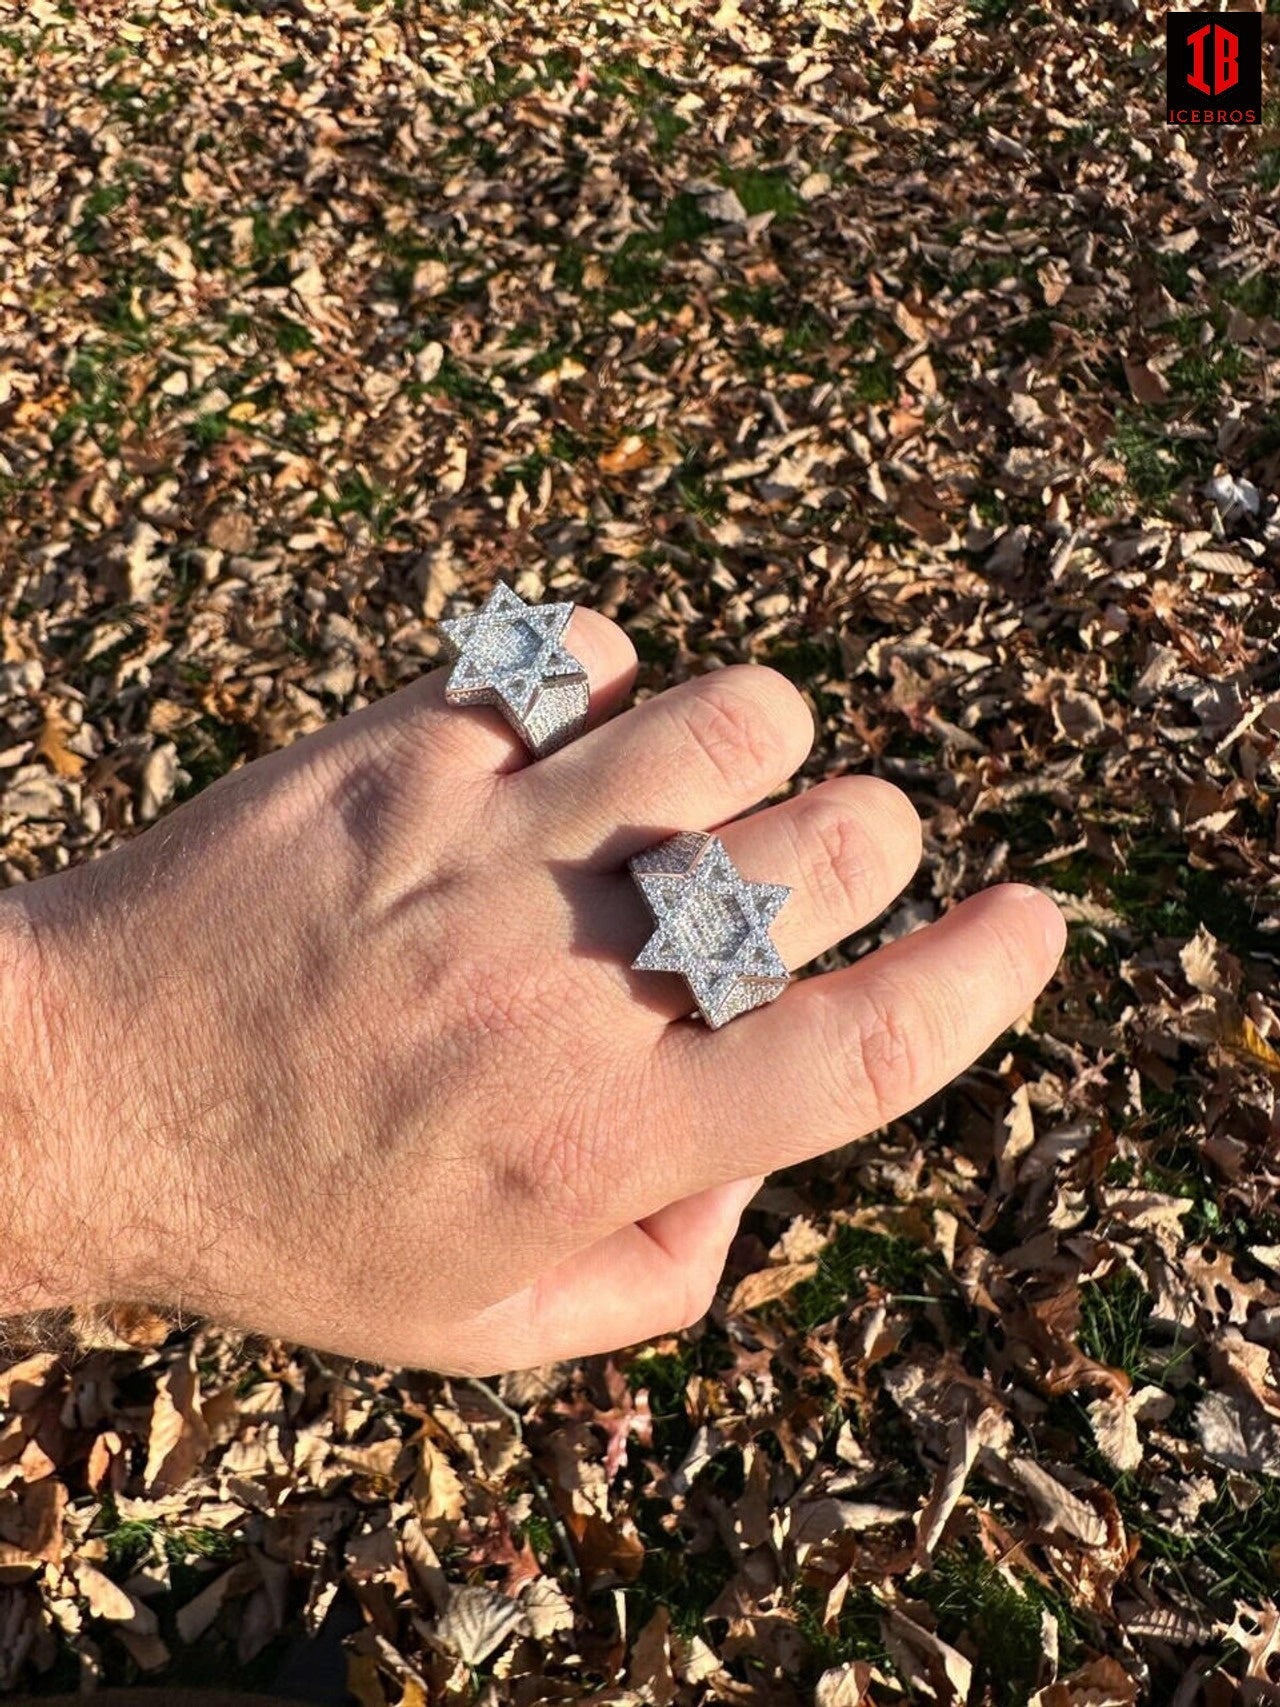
(845, 848)
(686, 759)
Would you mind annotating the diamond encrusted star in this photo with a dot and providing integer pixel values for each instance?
(712, 925)
(512, 655)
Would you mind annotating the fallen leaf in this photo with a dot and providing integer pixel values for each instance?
(51, 744)
(629, 453)
(476, 1623)
(767, 1285)
(178, 1439)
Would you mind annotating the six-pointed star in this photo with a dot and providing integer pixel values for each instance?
(713, 926)
(511, 654)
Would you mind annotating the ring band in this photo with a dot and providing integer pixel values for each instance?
(511, 654)
(712, 925)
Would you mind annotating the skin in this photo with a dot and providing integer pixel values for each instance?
(347, 1049)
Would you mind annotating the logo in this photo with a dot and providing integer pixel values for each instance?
(1214, 70)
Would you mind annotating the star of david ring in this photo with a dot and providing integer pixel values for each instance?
(712, 926)
(511, 654)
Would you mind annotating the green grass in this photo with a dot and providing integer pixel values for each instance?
(651, 95)
(207, 749)
(360, 496)
(869, 371)
(995, 11)
(1102, 499)
(637, 269)
(1269, 151)
(1257, 296)
(1114, 1313)
(762, 191)
(98, 207)
(458, 384)
(130, 1540)
(666, 1377)
(504, 81)
(1173, 272)
(538, 1531)
(681, 1578)
(1200, 376)
(300, 425)
(996, 1624)
(697, 492)
(858, 1632)
(652, 647)
(100, 407)
(276, 232)
(683, 221)
(854, 1257)
(1034, 335)
(1160, 894)
(562, 448)
(210, 429)
(805, 662)
(1156, 463)
(291, 336)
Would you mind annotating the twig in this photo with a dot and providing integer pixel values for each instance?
(541, 1488)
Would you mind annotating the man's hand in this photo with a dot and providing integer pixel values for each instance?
(348, 1049)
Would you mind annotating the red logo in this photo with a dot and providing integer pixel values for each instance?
(1213, 67)
(1226, 59)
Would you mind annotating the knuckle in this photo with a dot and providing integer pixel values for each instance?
(836, 855)
(880, 1052)
(735, 732)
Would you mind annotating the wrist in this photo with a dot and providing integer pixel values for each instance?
(47, 1254)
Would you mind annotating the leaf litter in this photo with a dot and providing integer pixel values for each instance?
(902, 348)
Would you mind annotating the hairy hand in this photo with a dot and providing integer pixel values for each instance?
(348, 1050)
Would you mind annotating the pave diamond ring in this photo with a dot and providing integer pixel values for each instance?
(512, 655)
(712, 925)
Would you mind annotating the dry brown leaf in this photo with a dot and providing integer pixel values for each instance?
(767, 1285)
(106, 1599)
(1256, 1632)
(31, 1521)
(51, 744)
(1057, 1508)
(1102, 1682)
(179, 1438)
(629, 453)
(1145, 385)
(476, 1623)
(844, 1685)
(437, 1490)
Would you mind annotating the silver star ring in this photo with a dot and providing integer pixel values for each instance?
(712, 925)
(511, 654)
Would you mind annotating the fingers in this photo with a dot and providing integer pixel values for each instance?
(844, 848)
(686, 759)
(650, 1278)
(478, 737)
(836, 1057)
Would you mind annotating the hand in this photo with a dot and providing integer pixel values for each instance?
(348, 1050)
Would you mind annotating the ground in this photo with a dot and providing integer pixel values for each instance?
(902, 346)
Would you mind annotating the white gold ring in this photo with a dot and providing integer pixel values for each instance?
(511, 654)
(712, 925)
